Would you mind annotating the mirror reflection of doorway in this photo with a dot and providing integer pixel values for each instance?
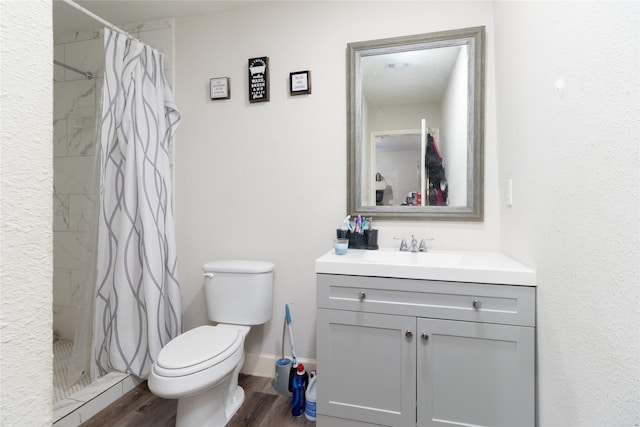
(397, 160)
(399, 170)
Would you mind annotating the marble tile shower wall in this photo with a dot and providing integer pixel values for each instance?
(76, 106)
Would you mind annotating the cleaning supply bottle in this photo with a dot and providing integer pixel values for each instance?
(310, 396)
(299, 386)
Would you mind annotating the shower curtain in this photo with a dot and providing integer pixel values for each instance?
(137, 305)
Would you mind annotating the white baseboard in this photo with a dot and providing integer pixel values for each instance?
(264, 365)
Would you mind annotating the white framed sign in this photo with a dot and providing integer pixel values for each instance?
(300, 83)
(220, 88)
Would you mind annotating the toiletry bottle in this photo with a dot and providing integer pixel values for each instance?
(299, 386)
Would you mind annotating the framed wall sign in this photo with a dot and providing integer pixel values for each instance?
(220, 88)
(259, 79)
(300, 82)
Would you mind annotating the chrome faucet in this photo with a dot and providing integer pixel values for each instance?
(413, 244)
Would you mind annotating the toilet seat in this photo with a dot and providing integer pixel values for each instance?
(197, 350)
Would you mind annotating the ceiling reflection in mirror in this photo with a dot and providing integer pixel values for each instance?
(415, 126)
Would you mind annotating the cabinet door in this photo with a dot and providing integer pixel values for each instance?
(475, 374)
(367, 366)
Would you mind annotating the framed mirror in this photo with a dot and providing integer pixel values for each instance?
(416, 126)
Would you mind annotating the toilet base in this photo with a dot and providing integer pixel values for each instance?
(235, 403)
(207, 398)
(199, 409)
(213, 407)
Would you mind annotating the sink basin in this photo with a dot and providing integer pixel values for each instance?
(458, 266)
(391, 257)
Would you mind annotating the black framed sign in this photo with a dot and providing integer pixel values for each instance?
(220, 88)
(300, 82)
(259, 79)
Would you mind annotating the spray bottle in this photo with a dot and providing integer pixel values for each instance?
(299, 385)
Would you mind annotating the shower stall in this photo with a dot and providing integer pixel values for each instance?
(76, 106)
(78, 77)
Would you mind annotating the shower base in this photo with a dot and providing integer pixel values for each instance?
(76, 404)
(61, 357)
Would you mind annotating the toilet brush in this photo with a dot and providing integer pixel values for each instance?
(283, 368)
(294, 366)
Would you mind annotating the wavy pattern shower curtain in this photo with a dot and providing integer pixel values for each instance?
(138, 307)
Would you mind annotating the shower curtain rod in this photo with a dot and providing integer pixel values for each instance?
(98, 18)
(87, 74)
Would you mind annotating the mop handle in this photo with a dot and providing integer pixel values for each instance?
(288, 317)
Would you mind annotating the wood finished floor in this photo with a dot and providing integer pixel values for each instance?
(262, 407)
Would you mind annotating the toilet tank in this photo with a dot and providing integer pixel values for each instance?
(239, 292)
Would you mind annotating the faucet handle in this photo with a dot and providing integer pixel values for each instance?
(423, 245)
(403, 244)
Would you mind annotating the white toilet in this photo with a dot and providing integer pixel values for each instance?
(200, 367)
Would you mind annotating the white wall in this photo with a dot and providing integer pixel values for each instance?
(268, 180)
(407, 116)
(454, 129)
(26, 90)
(568, 108)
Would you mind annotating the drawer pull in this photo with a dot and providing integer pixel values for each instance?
(362, 296)
(476, 304)
(408, 334)
(425, 336)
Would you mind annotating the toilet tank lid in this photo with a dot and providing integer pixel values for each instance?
(238, 266)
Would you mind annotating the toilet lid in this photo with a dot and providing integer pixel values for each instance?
(198, 349)
(238, 266)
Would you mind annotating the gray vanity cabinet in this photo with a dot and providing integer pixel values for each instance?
(367, 366)
(475, 374)
(407, 352)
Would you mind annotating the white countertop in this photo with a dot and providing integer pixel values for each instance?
(455, 266)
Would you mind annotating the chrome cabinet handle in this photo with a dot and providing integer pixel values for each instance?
(425, 336)
(362, 296)
(408, 334)
(476, 304)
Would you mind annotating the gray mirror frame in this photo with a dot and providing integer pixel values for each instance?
(474, 210)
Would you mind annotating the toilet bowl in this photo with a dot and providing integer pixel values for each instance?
(200, 367)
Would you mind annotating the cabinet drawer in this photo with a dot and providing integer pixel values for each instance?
(476, 302)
